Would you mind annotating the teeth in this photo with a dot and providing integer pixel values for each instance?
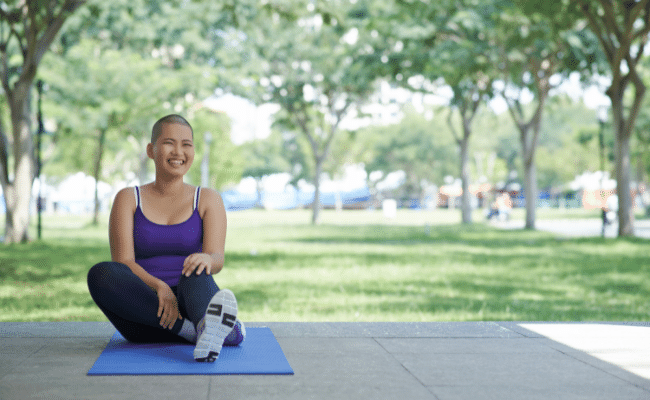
(176, 162)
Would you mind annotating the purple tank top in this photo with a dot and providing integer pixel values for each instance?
(162, 249)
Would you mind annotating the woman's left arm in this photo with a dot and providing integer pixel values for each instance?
(213, 213)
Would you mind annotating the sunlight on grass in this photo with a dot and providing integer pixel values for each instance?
(360, 266)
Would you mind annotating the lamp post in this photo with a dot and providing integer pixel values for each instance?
(205, 163)
(602, 119)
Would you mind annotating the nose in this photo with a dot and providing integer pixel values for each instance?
(176, 149)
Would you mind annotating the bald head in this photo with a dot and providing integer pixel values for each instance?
(168, 119)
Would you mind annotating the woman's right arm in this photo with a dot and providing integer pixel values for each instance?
(120, 234)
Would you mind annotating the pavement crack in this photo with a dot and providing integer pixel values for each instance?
(406, 369)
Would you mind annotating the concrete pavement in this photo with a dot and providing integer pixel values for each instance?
(429, 360)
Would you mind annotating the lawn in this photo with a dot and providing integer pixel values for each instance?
(360, 266)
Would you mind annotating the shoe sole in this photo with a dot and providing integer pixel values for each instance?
(219, 321)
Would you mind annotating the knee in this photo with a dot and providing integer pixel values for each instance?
(101, 273)
(203, 280)
(98, 271)
(193, 278)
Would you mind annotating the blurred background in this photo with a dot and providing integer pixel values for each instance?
(342, 104)
(360, 146)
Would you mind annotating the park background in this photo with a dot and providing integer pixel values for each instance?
(357, 144)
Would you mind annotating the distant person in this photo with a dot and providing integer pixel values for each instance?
(501, 207)
(611, 209)
(167, 239)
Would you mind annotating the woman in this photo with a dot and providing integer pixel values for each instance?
(167, 239)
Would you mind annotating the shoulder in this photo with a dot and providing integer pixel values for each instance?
(209, 197)
(209, 200)
(125, 198)
(122, 211)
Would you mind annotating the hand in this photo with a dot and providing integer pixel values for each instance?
(167, 306)
(198, 262)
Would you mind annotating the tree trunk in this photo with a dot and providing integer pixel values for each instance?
(97, 172)
(466, 116)
(530, 189)
(42, 22)
(623, 171)
(466, 206)
(18, 193)
(528, 135)
(622, 159)
(316, 206)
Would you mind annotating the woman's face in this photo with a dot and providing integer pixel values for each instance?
(173, 152)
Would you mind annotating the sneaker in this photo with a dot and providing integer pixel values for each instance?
(218, 322)
(237, 335)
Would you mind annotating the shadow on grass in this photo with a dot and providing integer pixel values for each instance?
(457, 273)
(43, 261)
(383, 273)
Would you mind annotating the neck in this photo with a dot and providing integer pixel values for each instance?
(168, 187)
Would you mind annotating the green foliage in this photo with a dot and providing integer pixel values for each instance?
(265, 156)
(422, 148)
(225, 159)
(562, 154)
(115, 70)
(93, 90)
(119, 65)
(311, 62)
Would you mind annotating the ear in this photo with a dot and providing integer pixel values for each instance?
(150, 150)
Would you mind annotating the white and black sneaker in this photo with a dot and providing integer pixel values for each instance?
(215, 326)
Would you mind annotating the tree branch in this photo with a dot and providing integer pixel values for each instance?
(610, 19)
(642, 33)
(600, 31)
(639, 92)
(54, 26)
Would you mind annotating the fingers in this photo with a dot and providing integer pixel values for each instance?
(167, 308)
(190, 264)
(197, 262)
(169, 316)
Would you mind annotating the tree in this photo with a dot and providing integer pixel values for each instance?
(443, 43)
(622, 29)
(466, 43)
(538, 44)
(27, 29)
(311, 65)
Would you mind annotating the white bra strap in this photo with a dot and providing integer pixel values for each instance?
(197, 194)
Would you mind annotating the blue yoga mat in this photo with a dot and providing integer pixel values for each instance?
(259, 354)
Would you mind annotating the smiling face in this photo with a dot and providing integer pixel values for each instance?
(173, 151)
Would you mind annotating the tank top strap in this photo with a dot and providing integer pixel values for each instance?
(137, 196)
(197, 194)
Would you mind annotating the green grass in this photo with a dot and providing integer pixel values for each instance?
(358, 266)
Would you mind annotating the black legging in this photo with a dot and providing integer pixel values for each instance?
(132, 306)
